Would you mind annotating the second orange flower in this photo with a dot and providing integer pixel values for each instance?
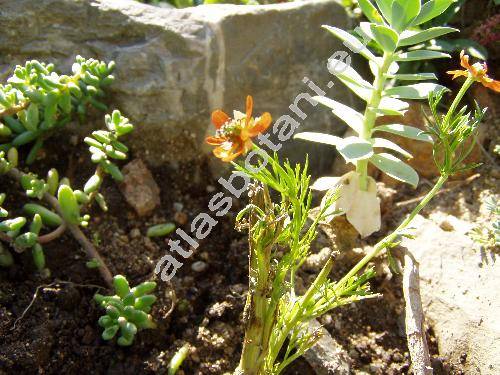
(477, 71)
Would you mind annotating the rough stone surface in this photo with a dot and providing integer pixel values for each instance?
(139, 188)
(174, 66)
(460, 296)
(327, 357)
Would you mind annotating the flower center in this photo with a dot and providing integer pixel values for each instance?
(230, 128)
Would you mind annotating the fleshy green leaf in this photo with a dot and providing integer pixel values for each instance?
(395, 168)
(370, 11)
(413, 77)
(385, 143)
(26, 240)
(121, 285)
(405, 131)
(392, 106)
(38, 256)
(355, 148)
(347, 74)
(385, 36)
(160, 230)
(351, 42)
(385, 8)
(48, 217)
(421, 55)
(403, 13)
(327, 139)
(410, 37)
(69, 204)
(32, 117)
(351, 117)
(416, 91)
(431, 9)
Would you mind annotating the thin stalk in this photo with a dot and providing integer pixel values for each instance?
(87, 246)
(370, 115)
(295, 314)
(391, 237)
(256, 308)
(56, 233)
(467, 84)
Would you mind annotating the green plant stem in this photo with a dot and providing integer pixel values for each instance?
(389, 239)
(466, 85)
(91, 251)
(370, 115)
(295, 314)
(257, 304)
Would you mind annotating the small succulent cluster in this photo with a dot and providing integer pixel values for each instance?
(104, 145)
(35, 102)
(127, 311)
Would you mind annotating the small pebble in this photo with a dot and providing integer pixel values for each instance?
(199, 266)
(178, 206)
(446, 226)
(180, 218)
(135, 233)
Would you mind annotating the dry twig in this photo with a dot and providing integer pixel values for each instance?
(414, 318)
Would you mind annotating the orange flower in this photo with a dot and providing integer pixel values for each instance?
(477, 71)
(233, 136)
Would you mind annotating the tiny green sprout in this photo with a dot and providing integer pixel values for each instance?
(160, 230)
(177, 359)
(127, 311)
(53, 181)
(94, 263)
(69, 204)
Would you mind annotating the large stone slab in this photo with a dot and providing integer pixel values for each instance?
(174, 66)
(460, 296)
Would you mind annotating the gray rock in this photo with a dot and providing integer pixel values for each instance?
(199, 266)
(327, 357)
(460, 296)
(174, 66)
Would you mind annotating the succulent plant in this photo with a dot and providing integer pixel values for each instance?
(127, 310)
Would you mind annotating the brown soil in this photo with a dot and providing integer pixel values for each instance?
(58, 334)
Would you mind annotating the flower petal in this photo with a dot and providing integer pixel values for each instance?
(249, 108)
(219, 118)
(261, 125)
(215, 141)
(464, 60)
(494, 85)
(457, 73)
(229, 151)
